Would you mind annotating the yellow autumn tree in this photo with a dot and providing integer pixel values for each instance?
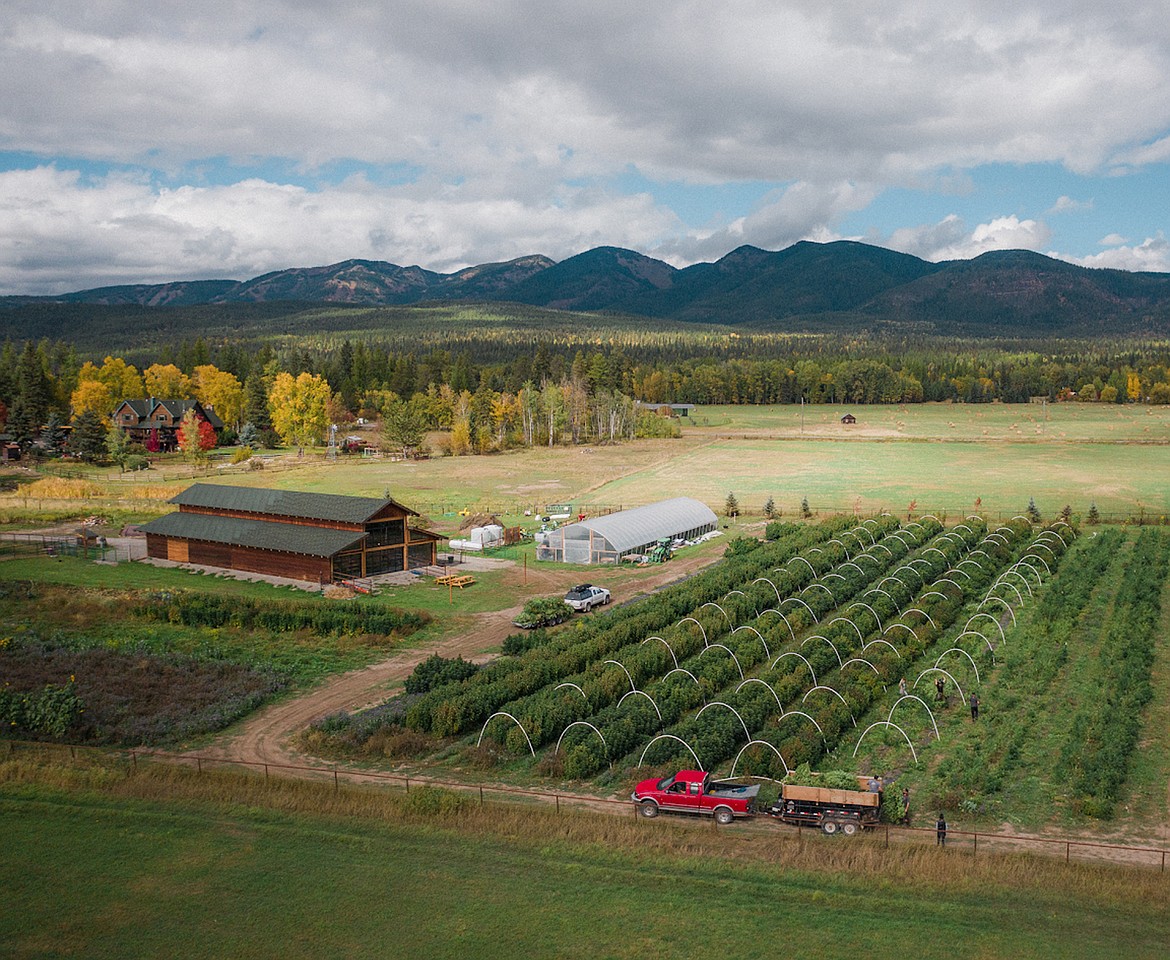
(298, 408)
(92, 396)
(166, 381)
(220, 391)
(123, 379)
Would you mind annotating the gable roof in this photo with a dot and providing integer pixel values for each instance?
(285, 503)
(258, 534)
(145, 409)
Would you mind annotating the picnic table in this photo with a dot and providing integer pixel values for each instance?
(455, 580)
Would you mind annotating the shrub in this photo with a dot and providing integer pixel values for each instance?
(435, 671)
(241, 454)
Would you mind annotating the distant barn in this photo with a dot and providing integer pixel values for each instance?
(319, 537)
(849, 418)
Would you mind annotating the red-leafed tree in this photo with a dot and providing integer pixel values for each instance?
(196, 437)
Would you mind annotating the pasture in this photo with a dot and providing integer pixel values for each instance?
(108, 865)
(941, 456)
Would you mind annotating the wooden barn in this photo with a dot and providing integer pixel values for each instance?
(319, 537)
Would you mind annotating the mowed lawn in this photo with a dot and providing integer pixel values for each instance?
(91, 876)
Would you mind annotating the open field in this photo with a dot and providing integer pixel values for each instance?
(102, 865)
(943, 456)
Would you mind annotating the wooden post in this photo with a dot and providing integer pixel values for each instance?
(450, 591)
(408, 784)
(481, 795)
(558, 796)
(525, 569)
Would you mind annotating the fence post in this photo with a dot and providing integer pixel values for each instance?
(481, 794)
(336, 785)
(408, 784)
(198, 765)
(887, 836)
(975, 849)
(558, 798)
(1067, 848)
(266, 772)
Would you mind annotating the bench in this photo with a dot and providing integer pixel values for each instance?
(455, 580)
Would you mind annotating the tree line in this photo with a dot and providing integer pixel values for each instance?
(489, 392)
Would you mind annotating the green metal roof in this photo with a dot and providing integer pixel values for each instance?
(285, 503)
(259, 534)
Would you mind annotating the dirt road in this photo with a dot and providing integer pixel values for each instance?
(268, 736)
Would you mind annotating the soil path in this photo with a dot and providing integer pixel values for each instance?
(268, 736)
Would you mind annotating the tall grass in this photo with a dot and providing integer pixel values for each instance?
(864, 859)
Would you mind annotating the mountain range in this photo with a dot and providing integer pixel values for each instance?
(806, 286)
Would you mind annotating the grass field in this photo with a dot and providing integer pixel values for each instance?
(943, 456)
(165, 864)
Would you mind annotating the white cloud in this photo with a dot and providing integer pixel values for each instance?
(58, 233)
(952, 239)
(1112, 240)
(1153, 253)
(507, 114)
(1066, 204)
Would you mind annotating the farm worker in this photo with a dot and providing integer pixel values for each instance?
(974, 706)
(906, 806)
(873, 785)
(940, 689)
(940, 829)
(902, 691)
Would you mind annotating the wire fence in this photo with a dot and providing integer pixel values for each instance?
(25, 545)
(969, 841)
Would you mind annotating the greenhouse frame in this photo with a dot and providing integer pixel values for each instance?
(607, 539)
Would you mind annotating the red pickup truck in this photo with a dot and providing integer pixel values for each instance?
(693, 791)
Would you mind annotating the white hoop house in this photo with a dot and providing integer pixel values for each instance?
(608, 539)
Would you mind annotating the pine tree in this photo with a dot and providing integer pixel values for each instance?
(1094, 516)
(249, 436)
(1033, 512)
(53, 436)
(731, 506)
(769, 508)
(804, 510)
(88, 439)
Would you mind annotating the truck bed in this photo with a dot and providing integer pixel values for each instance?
(738, 791)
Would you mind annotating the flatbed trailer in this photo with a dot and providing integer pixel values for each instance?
(829, 810)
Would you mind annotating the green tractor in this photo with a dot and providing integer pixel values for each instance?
(660, 552)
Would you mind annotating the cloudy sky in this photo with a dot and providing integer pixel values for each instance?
(142, 142)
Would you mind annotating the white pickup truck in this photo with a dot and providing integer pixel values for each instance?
(584, 597)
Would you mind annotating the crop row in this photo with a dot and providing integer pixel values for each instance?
(874, 652)
(1105, 730)
(700, 649)
(458, 708)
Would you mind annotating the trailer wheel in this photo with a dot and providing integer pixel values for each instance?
(724, 816)
(829, 827)
(849, 828)
(648, 809)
